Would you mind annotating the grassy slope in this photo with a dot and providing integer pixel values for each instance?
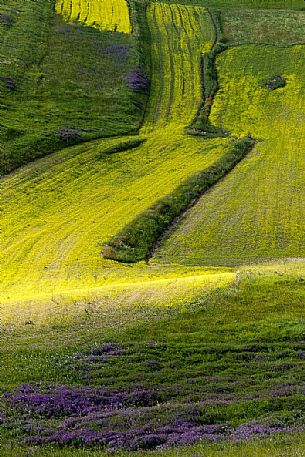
(66, 75)
(57, 213)
(261, 311)
(67, 205)
(255, 213)
(240, 345)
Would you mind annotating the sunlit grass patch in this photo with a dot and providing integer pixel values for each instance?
(105, 305)
(180, 34)
(110, 15)
(58, 212)
(225, 365)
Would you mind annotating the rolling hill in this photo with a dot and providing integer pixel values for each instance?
(152, 238)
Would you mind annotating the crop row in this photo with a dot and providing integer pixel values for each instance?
(179, 35)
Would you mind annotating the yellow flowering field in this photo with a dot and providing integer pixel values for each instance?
(256, 213)
(180, 34)
(112, 15)
(57, 212)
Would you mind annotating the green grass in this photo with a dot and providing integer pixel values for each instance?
(242, 342)
(255, 213)
(229, 343)
(281, 28)
(66, 75)
(240, 4)
(271, 447)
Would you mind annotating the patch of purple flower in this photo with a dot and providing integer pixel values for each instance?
(109, 349)
(247, 431)
(115, 419)
(138, 81)
(66, 401)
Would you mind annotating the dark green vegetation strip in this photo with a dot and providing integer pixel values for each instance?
(123, 146)
(202, 125)
(61, 83)
(137, 239)
(239, 4)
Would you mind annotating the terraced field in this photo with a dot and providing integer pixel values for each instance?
(110, 15)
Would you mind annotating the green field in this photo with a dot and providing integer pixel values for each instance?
(279, 28)
(198, 351)
(230, 356)
(180, 34)
(69, 83)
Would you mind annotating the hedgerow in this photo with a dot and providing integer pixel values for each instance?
(259, 218)
(136, 240)
(202, 125)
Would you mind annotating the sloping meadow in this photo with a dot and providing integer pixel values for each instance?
(62, 83)
(105, 357)
(222, 367)
(58, 213)
(256, 212)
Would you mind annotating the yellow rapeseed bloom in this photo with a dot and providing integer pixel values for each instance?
(112, 15)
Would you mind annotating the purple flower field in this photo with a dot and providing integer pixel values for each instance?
(145, 411)
(127, 418)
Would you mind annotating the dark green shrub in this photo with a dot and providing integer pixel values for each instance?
(274, 82)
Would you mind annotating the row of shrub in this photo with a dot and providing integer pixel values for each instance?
(137, 239)
(202, 125)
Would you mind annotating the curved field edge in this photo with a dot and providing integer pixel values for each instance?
(142, 290)
(111, 15)
(139, 238)
(57, 211)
